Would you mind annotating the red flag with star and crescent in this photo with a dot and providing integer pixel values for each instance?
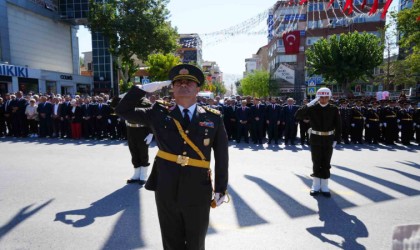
(291, 41)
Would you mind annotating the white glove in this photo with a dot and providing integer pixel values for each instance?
(109, 121)
(414, 124)
(418, 126)
(385, 124)
(398, 120)
(334, 144)
(367, 125)
(380, 124)
(399, 126)
(312, 102)
(148, 138)
(153, 86)
(219, 198)
(353, 125)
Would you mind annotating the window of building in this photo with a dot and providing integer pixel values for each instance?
(315, 7)
(315, 24)
(83, 89)
(286, 58)
(51, 87)
(359, 19)
(312, 40)
(282, 27)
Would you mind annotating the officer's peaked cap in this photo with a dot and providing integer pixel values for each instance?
(187, 72)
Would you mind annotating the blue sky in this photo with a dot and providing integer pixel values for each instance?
(209, 16)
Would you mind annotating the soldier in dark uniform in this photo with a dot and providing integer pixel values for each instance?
(357, 123)
(389, 123)
(139, 137)
(405, 115)
(345, 114)
(326, 131)
(181, 176)
(373, 131)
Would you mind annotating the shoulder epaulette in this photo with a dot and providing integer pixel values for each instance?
(214, 111)
(165, 104)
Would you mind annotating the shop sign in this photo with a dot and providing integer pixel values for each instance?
(12, 70)
(66, 77)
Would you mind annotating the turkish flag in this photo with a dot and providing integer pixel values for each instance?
(291, 42)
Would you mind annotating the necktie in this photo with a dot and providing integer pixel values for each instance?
(290, 108)
(274, 107)
(186, 118)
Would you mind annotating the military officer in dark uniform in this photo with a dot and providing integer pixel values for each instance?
(326, 131)
(357, 123)
(181, 177)
(345, 114)
(405, 115)
(373, 131)
(139, 137)
(390, 123)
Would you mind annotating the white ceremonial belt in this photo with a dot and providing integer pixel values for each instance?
(322, 133)
(134, 125)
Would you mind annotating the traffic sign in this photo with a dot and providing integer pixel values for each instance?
(311, 91)
(145, 81)
(311, 83)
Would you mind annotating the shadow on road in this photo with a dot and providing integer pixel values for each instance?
(337, 222)
(126, 233)
(244, 213)
(395, 186)
(293, 208)
(21, 216)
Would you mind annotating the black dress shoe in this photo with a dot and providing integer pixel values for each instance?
(142, 182)
(133, 181)
(326, 194)
(313, 193)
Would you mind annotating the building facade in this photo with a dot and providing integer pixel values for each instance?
(314, 20)
(191, 49)
(39, 52)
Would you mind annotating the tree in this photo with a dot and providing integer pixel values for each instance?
(256, 84)
(345, 58)
(160, 64)
(408, 24)
(133, 27)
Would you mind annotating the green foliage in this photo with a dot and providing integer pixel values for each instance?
(256, 84)
(124, 86)
(133, 27)
(409, 29)
(159, 65)
(345, 58)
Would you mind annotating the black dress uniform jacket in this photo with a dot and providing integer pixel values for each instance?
(187, 186)
(322, 119)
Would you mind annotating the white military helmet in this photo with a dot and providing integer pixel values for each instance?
(323, 92)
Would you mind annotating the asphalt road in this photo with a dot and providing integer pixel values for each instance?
(65, 194)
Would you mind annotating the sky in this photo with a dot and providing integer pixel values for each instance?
(203, 17)
(210, 16)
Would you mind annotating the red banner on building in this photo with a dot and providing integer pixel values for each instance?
(291, 42)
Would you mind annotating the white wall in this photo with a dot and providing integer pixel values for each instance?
(39, 42)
